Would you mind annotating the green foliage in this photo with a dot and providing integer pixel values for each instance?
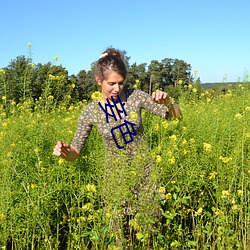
(202, 163)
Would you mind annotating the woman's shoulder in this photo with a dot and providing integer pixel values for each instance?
(90, 107)
(136, 94)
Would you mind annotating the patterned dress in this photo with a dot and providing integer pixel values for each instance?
(130, 181)
(93, 115)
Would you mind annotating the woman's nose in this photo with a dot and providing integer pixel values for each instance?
(116, 87)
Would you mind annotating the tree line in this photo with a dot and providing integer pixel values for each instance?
(22, 79)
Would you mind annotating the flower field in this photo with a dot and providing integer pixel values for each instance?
(203, 163)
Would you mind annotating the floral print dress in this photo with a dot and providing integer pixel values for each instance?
(93, 115)
(131, 168)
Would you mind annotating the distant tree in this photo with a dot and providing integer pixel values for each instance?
(50, 79)
(86, 84)
(18, 79)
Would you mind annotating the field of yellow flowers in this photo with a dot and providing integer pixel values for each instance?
(203, 162)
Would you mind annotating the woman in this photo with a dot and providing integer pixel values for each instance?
(118, 119)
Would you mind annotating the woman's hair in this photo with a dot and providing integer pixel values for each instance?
(110, 60)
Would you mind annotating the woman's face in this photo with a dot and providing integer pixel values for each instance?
(112, 85)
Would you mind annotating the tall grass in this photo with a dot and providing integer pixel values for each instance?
(203, 163)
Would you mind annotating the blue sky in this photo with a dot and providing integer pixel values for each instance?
(212, 36)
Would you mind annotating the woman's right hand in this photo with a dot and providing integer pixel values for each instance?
(62, 149)
(66, 151)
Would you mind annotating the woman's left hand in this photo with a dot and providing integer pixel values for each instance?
(161, 97)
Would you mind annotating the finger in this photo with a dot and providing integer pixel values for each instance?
(153, 95)
(56, 152)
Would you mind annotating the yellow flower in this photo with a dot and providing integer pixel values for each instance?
(2, 72)
(61, 161)
(198, 212)
(164, 124)
(235, 207)
(238, 116)
(37, 149)
(5, 124)
(158, 159)
(173, 137)
(168, 196)
(171, 160)
(137, 81)
(3, 97)
(135, 86)
(239, 192)
(194, 90)
(190, 86)
(162, 190)
(212, 175)
(29, 44)
(96, 96)
(207, 147)
(195, 71)
(180, 82)
(156, 127)
(134, 116)
(56, 58)
(191, 140)
(87, 207)
(225, 159)
(225, 193)
(91, 188)
(247, 135)
(50, 97)
(73, 85)
(2, 217)
(246, 108)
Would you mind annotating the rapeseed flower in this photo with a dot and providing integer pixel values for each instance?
(171, 160)
(158, 159)
(212, 175)
(180, 82)
(239, 192)
(87, 207)
(91, 188)
(198, 212)
(225, 159)
(168, 196)
(156, 127)
(2, 72)
(29, 44)
(207, 147)
(238, 116)
(162, 190)
(235, 207)
(225, 193)
(56, 58)
(134, 116)
(173, 137)
(96, 96)
(164, 124)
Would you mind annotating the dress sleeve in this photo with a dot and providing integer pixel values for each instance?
(84, 127)
(147, 103)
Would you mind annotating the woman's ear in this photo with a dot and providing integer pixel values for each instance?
(98, 80)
